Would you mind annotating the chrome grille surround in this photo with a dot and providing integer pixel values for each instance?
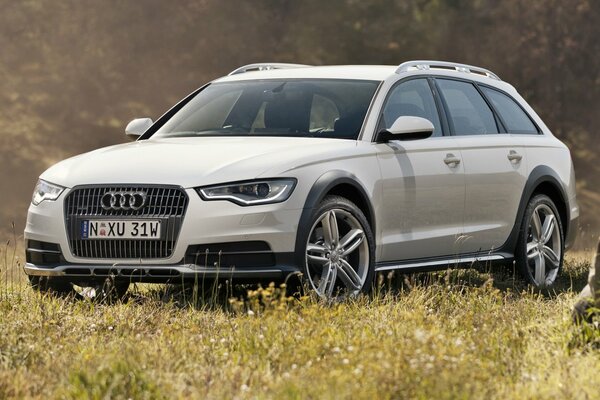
(165, 203)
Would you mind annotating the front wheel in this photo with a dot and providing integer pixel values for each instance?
(540, 248)
(339, 253)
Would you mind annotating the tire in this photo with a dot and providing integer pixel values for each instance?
(339, 250)
(51, 285)
(541, 246)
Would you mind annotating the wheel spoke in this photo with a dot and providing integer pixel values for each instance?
(547, 228)
(551, 256)
(351, 241)
(536, 225)
(330, 286)
(532, 251)
(317, 260)
(318, 256)
(349, 276)
(540, 269)
(325, 277)
(533, 255)
(330, 229)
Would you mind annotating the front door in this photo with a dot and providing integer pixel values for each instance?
(423, 182)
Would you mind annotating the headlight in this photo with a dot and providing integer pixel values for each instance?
(250, 193)
(45, 191)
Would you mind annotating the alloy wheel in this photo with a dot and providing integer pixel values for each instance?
(544, 246)
(337, 255)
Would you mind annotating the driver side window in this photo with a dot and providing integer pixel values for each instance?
(412, 98)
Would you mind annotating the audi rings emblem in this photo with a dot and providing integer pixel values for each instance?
(123, 200)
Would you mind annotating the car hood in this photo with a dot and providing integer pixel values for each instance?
(195, 161)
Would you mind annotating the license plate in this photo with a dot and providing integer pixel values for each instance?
(146, 229)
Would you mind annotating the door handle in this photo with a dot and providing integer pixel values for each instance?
(451, 160)
(514, 157)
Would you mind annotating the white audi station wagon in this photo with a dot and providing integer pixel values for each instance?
(332, 173)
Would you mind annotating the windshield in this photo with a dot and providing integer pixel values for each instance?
(330, 108)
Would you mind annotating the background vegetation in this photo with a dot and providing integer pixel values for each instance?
(73, 73)
(465, 334)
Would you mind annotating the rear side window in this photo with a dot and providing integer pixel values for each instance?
(468, 112)
(512, 115)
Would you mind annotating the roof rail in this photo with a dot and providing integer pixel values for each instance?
(427, 65)
(264, 67)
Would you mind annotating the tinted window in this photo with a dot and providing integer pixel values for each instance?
(412, 98)
(332, 108)
(323, 115)
(469, 113)
(513, 116)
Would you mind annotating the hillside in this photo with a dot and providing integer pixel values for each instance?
(73, 74)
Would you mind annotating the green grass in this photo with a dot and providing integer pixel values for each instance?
(459, 334)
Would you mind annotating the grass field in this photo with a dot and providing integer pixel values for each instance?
(454, 334)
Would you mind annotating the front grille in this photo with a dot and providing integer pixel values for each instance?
(165, 203)
(161, 202)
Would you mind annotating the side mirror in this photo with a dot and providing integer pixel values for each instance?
(407, 128)
(137, 127)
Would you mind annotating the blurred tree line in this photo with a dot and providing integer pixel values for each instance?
(74, 72)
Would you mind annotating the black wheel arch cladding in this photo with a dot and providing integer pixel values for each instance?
(317, 193)
(540, 175)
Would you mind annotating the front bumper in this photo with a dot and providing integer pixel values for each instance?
(83, 273)
(241, 261)
(216, 240)
(205, 223)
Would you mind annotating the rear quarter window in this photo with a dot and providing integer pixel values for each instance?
(514, 118)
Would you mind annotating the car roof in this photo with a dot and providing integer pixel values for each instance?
(263, 71)
(358, 72)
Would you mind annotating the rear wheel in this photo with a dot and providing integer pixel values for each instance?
(340, 250)
(540, 247)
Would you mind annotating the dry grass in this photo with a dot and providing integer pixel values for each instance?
(459, 334)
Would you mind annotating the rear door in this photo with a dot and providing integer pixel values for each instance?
(423, 182)
(495, 166)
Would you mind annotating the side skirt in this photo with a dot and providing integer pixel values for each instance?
(439, 264)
